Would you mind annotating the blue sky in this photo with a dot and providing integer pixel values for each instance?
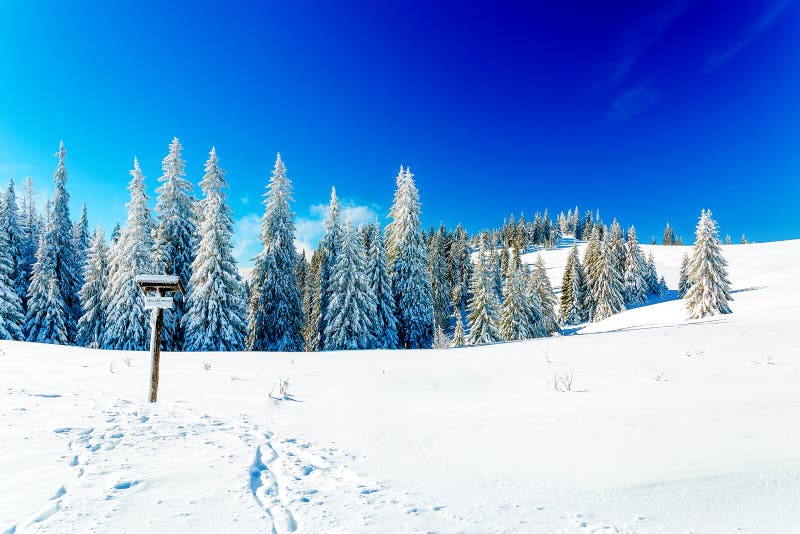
(648, 112)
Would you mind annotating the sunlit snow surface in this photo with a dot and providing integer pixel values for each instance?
(671, 426)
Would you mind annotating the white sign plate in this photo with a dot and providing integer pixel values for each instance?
(157, 302)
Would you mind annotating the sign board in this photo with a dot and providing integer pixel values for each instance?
(157, 302)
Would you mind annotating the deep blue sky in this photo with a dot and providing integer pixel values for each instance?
(647, 112)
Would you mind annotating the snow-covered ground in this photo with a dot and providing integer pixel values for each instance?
(671, 426)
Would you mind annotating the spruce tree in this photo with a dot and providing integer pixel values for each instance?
(710, 290)
(606, 284)
(459, 269)
(115, 233)
(351, 311)
(411, 286)
(573, 287)
(95, 276)
(669, 235)
(15, 241)
(46, 317)
(516, 316)
(459, 336)
(80, 236)
(635, 285)
(275, 308)
(215, 318)
(311, 302)
(484, 313)
(440, 339)
(12, 318)
(616, 242)
(127, 325)
(651, 275)
(66, 266)
(330, 246)
(683, 282)
(385, 324)
(590, 261)
(440, 286)
(30, 225)
(175, 236)
(544, 291)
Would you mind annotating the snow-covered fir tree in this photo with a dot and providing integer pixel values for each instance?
(81, 237)
(590, 261)
(683, 281)
(516, 315)
(14, 241)
(394, 229)
(12, 318)
(459, 335)
(573, 287)
(175, 236)
(606, 284)
(411, 286)
(635, 286)
(216, 315)
(651, 274)
(440, 339)
(30, 225)
(65, 259)
(663, 289)
(669, 235)
(311, 302)
(351, 311)
(127, 324)
(330, 246)
(95, 281)
(616, 242)
(484, 309)
(46, 317)
(385, 323)
(710, 290)
(459, 267)
(440, 285)
(115, 233)
(275, 309)
(540, 283)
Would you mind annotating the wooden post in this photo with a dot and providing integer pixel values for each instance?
(156, 324)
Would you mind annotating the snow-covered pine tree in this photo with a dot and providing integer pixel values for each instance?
(669, 235)
(459, 336)
(15, 241)
(411, 286)
(394, 229)
(635, 285)
(651, 275)
(573, 287)
(311, 302)
(175, 236)
(12, 318)
(30, 225)
(81, 237)
(351, 311)
(616, 242)
(215, 318)
(45, 320)
(606, 284)
(127, 325)
(484, 310)
(440, 339)
(95, 281)
(440, 285)
(275, 309)
(540, 283)
(516, 316)
(683, 282)
(385, 323)
(459, 269)
(66, 266)
(115, 233)
(330, 246)
(663, 289)
(710, 290)
(590, 261)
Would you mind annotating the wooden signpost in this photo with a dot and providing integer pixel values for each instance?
(155, 288)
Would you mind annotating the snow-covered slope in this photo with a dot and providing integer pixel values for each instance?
(670, 426)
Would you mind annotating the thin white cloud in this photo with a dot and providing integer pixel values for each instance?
(760, 26)
(633, 101)
(245, 238)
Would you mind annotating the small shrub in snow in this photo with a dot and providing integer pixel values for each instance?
(280, 391)
(764, 360)
(659, 377)
(563, 382)
(207, 366)
(111, 366)
(128, 361)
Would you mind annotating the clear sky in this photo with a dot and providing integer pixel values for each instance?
(647, 112)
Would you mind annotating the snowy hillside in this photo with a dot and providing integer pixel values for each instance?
(670, 425)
